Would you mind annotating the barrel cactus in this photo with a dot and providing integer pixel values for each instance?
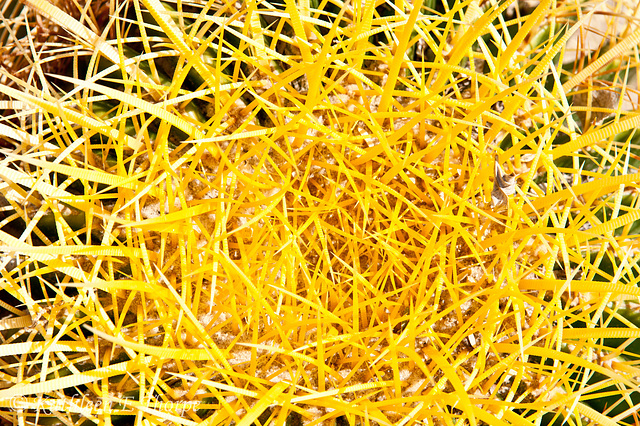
(319, 212)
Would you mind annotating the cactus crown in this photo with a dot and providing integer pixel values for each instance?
(364, 212)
